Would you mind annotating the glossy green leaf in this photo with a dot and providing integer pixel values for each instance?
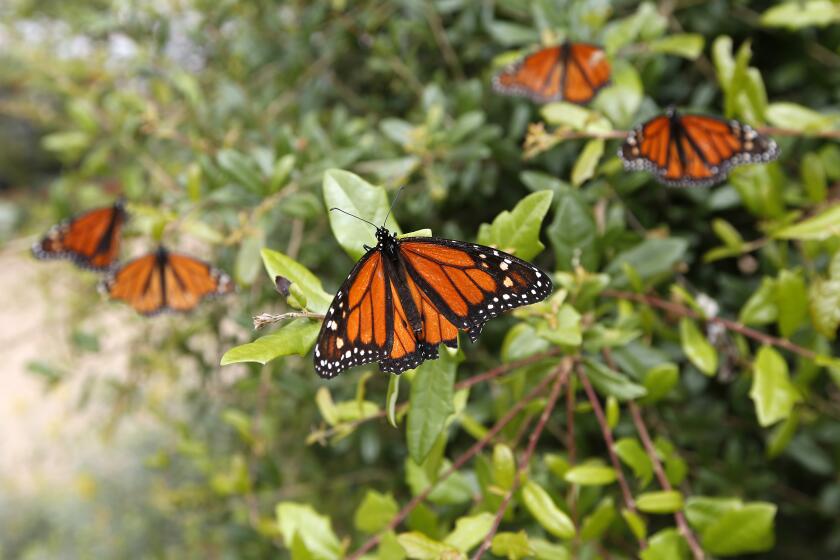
(504, 466)
(782, 435)
(564, 328)
(796, 15)
(659, 381)
(584, 167)
(296, 337)
(314, 530)
(704, 511)
(518, 231)
(513, 546)
(353, 194)
(391, 396)
(741, 531)
(470, 531)
(824, 225)
(278, 264)
(544, 550)
(326, 406)
(791, 301)
(596, 523)
(612, 383)
(590, 475)
(761, 308)
(772, 392)
(813, 173)
(697, 349)
(418, 546)
(686, 45)
(652, 259)
(824, 296)
(632, 454)
(665, 501)
(666, 544)
(542, 508)
(572, 232)
(455, 489)
(790, 115)
(522, 341)
(728, 234)
(431, 404)
(375, 512)
(620, 100)
(635, 523)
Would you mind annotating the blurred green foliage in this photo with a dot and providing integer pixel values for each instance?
(231, 127)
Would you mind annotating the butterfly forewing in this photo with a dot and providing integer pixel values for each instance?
(90, 240)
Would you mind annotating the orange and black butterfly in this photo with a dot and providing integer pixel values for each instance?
(572, 72)
(91, 240)
(693, 150)
(165, 281)
(406, 296)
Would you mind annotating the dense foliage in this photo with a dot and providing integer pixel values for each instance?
(231, 126)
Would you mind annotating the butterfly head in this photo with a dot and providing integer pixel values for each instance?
(387, 241)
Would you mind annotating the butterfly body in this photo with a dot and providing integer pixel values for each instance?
(165, 281)
(407, 296)
(572, 72)
(693, 150)
(91, 240)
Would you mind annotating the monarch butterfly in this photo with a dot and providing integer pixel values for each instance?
(693, 150)
(573, 72)
(165, 281)
(91, 240)
(406, 296)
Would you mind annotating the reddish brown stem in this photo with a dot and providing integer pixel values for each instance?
(456, 464)
(562, 375)
(679, 516)
(629, 502)
(684, 311)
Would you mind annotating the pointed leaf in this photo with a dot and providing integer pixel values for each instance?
(296, 337)
(431, 404)
(773, 393)
(518, 231)
(741, 531)
(470, 531)
(545, 511)
(278, 264)
(301, 521)
(697, 349)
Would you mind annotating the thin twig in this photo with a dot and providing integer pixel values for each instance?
(679, 516)
(684, 311)
(629, 502)
(264, 319)
(456, 464)
(561, 375)
(465, 384)
(571, 448)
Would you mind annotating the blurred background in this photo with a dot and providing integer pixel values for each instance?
(122, 437)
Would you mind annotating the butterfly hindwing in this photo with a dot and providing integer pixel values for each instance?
(693, 150)
(91, 240)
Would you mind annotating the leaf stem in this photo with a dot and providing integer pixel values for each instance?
(561, 376)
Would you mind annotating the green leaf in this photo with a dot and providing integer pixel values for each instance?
(431, 404)
(240, 169)
(666, 544)
(697, 349)
(296, 337)
(620, 100)
(391, 397)
(596, 523)
(686, 45)
(796, 15)
(782, 435)
(470, 531)
(455, 489)
(761, 308)
(314, 530)
(326, 406)
(518, 231)
(635, 523)
(278, 264)
(420, 547)
(659, 381)
(545, 511)
(584, 167)
(813, 173)
(611, 383)
(504, 466)
(353, 194)
(665, 501)
(375, 512)
(389, 548)
(824, 296)
(652, 259)
(728, 234)
(247, 265)
(563, 329)
(741, 531)
(824, 225)
(572, 233)
(773, 393)
(797, 117)
(513, 546)
(791, 301)
(522, 341)
(704, 511)
(544, 550)
(630, 451)
(590, 475)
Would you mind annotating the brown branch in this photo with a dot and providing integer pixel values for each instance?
(561, 374)
(497, 371)
(629, 502)
(684, 311)
(571, 448)
(456, 464)
(679, 516)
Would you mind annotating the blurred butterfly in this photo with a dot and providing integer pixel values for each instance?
(406, 296)
(693, 150)
(572, 72)
(165, 281)
(91, 240)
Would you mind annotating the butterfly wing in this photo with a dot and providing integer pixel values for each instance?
(164, 281)
(469, 284)
(694, 150)
(537, 76)
(91, 240)
(358, 326)
(587, 71)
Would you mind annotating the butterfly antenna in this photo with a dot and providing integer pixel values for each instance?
(354, 216)
(394, 203)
